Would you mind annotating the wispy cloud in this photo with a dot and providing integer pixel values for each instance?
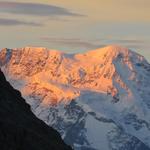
(35, 9)
(131, 43)
(15, 22)
(75, 43)
(128, 41)
(93, 44)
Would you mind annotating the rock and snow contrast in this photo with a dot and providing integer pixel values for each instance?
(98, 100)
(20, 129)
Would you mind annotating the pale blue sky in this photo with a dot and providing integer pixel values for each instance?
(76, 26)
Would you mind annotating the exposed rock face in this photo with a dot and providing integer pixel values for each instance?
(96, 100)
(19, 128)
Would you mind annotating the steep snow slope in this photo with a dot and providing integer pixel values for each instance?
(96, 100)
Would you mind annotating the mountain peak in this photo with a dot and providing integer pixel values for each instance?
(116, 48)
(42, 51)
(111, 50)
(32, 49)
(100, 70)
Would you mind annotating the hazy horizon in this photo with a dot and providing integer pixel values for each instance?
(76, 26)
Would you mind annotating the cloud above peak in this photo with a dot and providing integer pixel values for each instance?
(35, 9)
(71, 42)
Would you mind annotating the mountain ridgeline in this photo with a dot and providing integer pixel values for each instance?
(19, 128)
(97, 100)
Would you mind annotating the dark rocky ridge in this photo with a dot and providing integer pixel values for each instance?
(19, 128)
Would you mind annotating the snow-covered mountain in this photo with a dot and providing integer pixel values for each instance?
(99, 100)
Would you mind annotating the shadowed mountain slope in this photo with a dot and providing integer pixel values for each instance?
(19, 128)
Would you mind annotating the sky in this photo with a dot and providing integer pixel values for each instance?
(76, 25)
